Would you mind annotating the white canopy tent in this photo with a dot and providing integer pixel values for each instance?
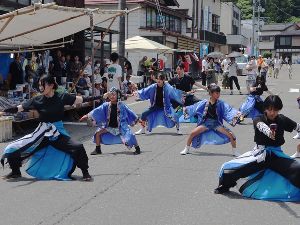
(138, 43)
(42, 23)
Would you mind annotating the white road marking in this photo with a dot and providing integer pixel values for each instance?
(294, 90)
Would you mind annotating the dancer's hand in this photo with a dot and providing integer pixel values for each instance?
(2, 113)
(272, 135)
(84, 118)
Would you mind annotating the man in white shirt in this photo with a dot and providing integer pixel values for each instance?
(277, 65)
(204, 70)
(232, 74)
(224, 66)
(114, 73)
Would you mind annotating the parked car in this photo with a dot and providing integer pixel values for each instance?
(242, 62)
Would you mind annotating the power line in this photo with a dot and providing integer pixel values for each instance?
(281, 9)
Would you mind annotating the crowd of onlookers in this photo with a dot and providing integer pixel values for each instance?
(77, 75)
(70, 72)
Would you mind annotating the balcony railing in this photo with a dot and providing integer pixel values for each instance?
(212, 37)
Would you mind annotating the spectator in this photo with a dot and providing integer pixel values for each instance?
(88, 67)
(55, 67)
(68, 68)
(114, 73)
(211, 72)
(76, 67)
(260, 61)
(104, 69)
(15, 73)
(225, 79)
(233, 70)
(251, 69)
(277, 65)
(204, 70)
(82, 86)
(128, 67)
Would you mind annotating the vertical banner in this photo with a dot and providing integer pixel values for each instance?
(203, 49)
(206, 18)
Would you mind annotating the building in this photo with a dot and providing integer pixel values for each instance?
(287, 43)
(160, 23)
(205, 23)
(231, 27)
(267, 36)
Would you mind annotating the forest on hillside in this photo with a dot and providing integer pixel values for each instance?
(276, 11)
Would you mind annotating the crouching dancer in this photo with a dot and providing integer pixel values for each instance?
(269, 173)
(113, 119)
(53, 154)
(210, 128)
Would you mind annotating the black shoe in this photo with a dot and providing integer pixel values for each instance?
(221, 190)
(86, 176)
(137, 150)
(96, 152)
(12, 175)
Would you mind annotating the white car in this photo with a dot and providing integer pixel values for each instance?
(242, 62)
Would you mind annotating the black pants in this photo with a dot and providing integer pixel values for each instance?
(236, 82)
(288, 168)
(203, 77)
(259, 105)
(189, 100)
(64, 144)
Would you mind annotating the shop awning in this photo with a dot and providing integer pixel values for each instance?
(42, 23)
(138, 43)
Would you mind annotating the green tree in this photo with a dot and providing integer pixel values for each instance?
(279, 11)
(246, 8)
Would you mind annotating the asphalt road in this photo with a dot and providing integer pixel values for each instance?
(157, 187)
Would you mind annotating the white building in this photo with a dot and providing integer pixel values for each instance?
(206, 20)
(231, 27)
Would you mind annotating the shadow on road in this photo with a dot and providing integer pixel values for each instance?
(210, 154)
(288, 208)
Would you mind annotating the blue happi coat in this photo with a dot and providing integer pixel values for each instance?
(224, 112)
(126, 117)
(166, 117)
(248, 109)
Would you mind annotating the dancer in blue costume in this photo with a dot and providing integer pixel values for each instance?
(113, 119)
(253, 106)
(161, 111)
(185, 83)
(210, 128)
(269, 173)
(53, 154)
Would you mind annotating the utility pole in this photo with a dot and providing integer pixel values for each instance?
(253, 27)
(193, 19)
(121, 44)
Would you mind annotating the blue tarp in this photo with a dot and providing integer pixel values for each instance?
(5, 61)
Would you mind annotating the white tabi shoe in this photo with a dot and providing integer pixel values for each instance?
(179, 132)
(297, 136)
(296, 155)
(141, 131)
(185, 150)
(235, 152)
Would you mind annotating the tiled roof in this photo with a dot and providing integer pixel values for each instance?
(95, 2)
(290, 33)
(276, 27)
